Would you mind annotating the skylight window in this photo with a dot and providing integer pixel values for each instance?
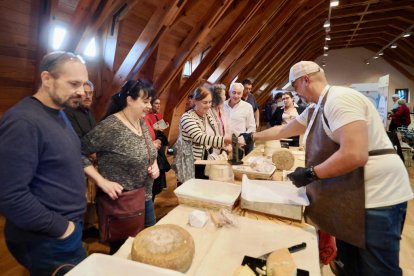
(58, 36)
(91, 49)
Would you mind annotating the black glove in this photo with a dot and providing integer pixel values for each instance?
(302, 176)
(248, 137)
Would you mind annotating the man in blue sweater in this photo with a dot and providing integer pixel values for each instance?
(42, 189)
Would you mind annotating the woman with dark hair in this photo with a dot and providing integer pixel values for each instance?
(126, 157)
(199, 127)
(160, 142)
(283, 115)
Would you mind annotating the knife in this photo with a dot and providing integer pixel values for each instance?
(291, 249)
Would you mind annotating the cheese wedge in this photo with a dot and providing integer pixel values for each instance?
(280, 263)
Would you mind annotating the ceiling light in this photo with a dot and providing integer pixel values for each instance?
(393, 46)
(326, 47)
(334, 3)
(325, 54)
(375, 57)
(406, 34)
(323, 65)
(367, 62)
(380, 54)
(327, 24)
(328, 37)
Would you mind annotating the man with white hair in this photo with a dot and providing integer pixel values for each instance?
(357, 186)
(241, 114)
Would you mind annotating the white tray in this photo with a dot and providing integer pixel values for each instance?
(105, 265)
(208, 193)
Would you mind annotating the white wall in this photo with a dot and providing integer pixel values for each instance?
(346, 66)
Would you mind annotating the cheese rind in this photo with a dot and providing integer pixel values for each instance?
(283, 159)
(166, 245)
(280, 263)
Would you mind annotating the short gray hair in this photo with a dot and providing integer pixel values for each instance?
(235, 85)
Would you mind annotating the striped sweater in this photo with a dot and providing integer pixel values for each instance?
(193, 128)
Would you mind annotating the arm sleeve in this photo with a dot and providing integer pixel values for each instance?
(193, 130)
(344, 109)
(93, 142)
(20, 151)
(250, 120)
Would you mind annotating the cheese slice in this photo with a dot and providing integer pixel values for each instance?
(166, 245)
(280, 263)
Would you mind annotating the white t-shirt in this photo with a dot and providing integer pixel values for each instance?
(386, 178)
(241, 117)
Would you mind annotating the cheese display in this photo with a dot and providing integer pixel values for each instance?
(167, 245)
(280, 263)
(283, 159)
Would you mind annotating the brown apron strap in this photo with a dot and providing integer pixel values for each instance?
(381, 152)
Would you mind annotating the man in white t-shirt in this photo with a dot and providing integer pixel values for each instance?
(240, 114)
(346, 144)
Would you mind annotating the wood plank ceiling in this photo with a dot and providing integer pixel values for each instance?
(223, 39)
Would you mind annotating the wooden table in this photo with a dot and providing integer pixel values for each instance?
(219, 251)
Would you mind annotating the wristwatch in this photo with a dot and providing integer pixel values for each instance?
(311, 174)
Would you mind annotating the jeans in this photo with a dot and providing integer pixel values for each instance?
(42, 255)
(149, 214)
(383, 228)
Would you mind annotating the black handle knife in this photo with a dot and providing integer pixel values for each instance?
(291, 249)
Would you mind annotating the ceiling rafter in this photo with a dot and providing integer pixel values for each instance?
(213, 54)
(141, 50)
(198, 33)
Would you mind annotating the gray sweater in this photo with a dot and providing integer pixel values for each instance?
(122, 155)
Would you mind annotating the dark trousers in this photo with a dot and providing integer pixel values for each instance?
(382, 234)
(42, 255)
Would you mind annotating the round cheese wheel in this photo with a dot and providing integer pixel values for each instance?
(166, 245)
(283, 159)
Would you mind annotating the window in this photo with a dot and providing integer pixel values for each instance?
(58, 35)
(402, 93)
(187, 69)
(91, 49)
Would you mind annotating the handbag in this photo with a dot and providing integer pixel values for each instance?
(183, 163)
(120, 218)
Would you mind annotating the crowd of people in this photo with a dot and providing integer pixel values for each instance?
(51, 140)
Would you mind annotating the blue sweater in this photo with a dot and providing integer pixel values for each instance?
(42, 183)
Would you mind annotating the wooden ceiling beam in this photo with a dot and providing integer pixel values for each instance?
(258, 32)
(286, 43)
(213, 54)
(194, 38)
(147, 41)
(103, 14)
(379, 7)
(81, 18)
(281, 39)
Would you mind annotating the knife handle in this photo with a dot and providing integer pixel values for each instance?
(297, 247)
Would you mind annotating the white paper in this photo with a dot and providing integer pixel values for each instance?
(161, 125)
(282, 192)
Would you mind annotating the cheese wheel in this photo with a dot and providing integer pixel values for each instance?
(280, 263)
(243, 270)
(283, 159)
(166, 245)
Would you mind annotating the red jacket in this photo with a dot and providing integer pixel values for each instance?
(401, 117)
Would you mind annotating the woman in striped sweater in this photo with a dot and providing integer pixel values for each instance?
(199, 127)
